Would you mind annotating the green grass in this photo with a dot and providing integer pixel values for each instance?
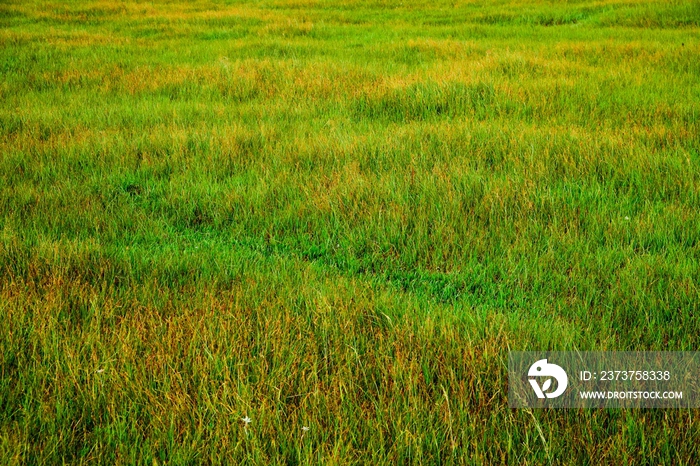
(340, 215)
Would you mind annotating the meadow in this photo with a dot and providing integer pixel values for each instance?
(334, 219)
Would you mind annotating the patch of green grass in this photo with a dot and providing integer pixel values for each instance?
(340, 216)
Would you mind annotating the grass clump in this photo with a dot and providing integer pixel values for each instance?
(423, 101)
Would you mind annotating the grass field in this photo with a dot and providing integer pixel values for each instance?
(335, 218)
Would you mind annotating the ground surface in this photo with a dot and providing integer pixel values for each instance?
(340, 216)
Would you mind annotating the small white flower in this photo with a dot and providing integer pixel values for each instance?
(246, 420)
(306, 428)
(627, 218)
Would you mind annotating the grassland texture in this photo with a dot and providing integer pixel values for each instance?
(334, 219)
